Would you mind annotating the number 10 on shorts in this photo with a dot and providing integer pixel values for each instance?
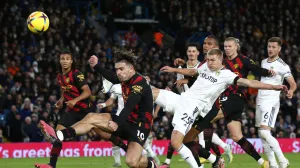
(140, 135)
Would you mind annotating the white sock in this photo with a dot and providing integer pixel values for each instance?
(60, 135)
(216, 140)
(201, 139)
(270, 153)
(187, 155)
(261, 161)
(116, 153)
(212, 158)
(167, 161)
(273, 143)
(151, 153)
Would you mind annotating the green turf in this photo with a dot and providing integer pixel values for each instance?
(240, 161)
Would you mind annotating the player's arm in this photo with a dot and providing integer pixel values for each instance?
(257, 84)
(155, 114)
(108, 102)
(293, 86)
(107, 74)
(257, 70)
(183, 71)
(135, 96)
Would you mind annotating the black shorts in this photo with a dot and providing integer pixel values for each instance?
(202, 123)
(67, 119)
(132, 132)
(232, 107)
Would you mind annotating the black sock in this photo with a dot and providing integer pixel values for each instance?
(69, 133)
(203, 152)
(170, 151)
(208, 133)
(194, 147)
(249, 148)
(216, 149)
(56, 148)
(118, 142)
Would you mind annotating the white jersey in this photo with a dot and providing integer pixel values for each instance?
(208, 86)
(116, 93)
(180, 76)
(282, 71)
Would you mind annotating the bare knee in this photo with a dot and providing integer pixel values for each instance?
(131, 162)
(234, 128)
(176, 139)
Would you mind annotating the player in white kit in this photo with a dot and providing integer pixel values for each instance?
(116, 93)
(212, 80)
(268, 102)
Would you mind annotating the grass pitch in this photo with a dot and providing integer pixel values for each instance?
(239, 161)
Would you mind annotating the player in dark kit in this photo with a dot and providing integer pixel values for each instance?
(74, 93)
(135, 120)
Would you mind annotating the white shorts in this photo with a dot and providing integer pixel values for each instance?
(185, 110)
(266, 113)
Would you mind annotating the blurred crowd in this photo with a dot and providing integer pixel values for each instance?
(28, 89)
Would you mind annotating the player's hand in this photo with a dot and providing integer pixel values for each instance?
(272, 72)
(181, 82)
(71, 103)
(280, 87)
(100, 105)
(179, 62)
(113, 125)
(167, 69)
(93, 61)
(290, 94)
(59, 104)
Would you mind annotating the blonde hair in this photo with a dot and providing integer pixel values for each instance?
(236, 41)
(216, 51)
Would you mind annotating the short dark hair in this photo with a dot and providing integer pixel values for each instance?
(193, 45)
(62, 52)
(276, 39)
(215, 51)
(214, 38)
(127, 56)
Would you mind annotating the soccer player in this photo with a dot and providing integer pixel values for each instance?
(74, 94)
(212, 80)
(234, 98)
(135, 119)
(116, 93)
(206, 134)
(268, 102)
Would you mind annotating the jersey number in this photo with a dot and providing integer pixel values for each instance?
(266, 115)
(186, 118)
(140, 135)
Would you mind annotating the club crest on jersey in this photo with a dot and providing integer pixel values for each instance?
(67, 80)
(137, 89)
(80, 77)
(236, 66)
(210, 78)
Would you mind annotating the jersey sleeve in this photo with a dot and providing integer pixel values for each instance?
(257, 70)
(134, 98)
(231, 78)
(79, 79)
(286, 71)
